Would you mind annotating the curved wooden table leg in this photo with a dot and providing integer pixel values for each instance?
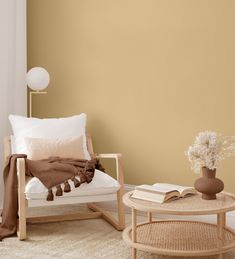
(133, 254)
(221, 222)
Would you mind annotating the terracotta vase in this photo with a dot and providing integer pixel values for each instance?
(208, 184)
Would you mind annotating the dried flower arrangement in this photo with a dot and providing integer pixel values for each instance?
(209, 149)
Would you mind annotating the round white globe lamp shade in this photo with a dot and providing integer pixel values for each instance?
(37, 78)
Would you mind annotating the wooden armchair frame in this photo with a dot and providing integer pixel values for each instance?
(97, 211)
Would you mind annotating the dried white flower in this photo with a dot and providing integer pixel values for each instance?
(208, 149)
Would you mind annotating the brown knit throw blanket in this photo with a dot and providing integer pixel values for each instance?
(51, 172)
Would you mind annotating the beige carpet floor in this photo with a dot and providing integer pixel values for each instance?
(85, 239)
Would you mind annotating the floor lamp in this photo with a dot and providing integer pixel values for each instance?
(37, 80)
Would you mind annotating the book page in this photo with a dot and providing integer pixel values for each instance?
(150, 188)
(148, 196)
(166, 187)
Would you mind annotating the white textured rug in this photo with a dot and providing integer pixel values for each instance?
(86, 239)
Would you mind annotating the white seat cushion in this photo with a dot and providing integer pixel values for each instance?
(101, 184)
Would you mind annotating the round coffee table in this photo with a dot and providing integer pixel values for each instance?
(181, 237)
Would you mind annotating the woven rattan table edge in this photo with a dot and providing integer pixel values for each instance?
(139, 205)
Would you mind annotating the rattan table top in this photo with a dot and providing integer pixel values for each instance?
(193, 205)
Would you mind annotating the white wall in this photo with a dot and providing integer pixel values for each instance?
(13, 91)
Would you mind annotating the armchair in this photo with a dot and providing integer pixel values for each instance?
(112, 191)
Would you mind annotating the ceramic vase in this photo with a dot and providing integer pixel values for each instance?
(208, 184)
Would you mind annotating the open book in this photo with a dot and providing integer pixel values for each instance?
(162, 192)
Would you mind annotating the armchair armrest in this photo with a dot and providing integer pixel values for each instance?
(119, 166)
(21, 175)
(109, 155)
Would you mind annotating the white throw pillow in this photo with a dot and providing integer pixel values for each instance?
(24, 127)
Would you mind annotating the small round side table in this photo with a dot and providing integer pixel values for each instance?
(181, 237)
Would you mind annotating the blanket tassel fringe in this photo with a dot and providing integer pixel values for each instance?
(59, 191)
(67, 187)
(50, 196)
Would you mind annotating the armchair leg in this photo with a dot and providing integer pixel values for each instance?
(121, 210)
(120, 193)
(105, 215)
(21, 200)
(118, 224)
(21, 233)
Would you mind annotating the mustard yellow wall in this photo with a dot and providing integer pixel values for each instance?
(150, 74)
